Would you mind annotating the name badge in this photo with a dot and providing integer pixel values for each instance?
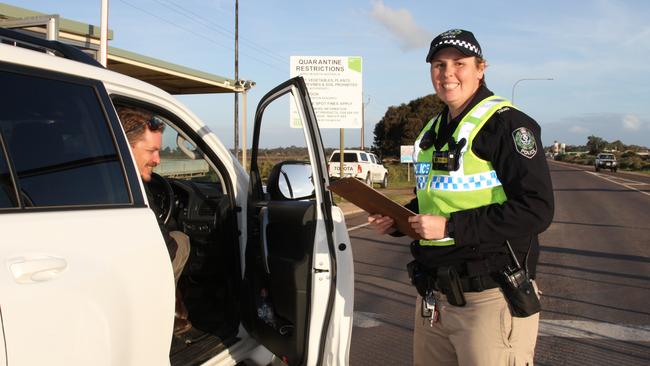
(422, 168)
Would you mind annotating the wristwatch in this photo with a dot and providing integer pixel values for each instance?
(449, 228)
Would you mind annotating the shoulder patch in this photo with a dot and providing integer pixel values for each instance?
(503, 109)
(524, 142)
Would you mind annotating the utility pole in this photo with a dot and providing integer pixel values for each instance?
(363, 120)
(103, 34)
(236, 129)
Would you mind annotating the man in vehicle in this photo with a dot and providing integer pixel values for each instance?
(144, 133)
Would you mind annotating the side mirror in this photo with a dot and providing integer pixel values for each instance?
(291, 180)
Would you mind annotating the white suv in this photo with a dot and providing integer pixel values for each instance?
(86, 278)
(359, 164)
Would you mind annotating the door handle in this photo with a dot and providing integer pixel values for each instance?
(264, 222)
(39, 269)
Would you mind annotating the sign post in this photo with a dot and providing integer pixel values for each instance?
(406, 156)
(335, 89)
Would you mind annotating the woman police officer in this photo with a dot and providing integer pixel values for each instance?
(481, 181)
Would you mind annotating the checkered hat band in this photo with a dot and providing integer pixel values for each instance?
(464, 44)
(472, 182)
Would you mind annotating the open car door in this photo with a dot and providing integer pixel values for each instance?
(299, 275)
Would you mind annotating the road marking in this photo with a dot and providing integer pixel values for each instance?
(358, 226)
(606, 177)
(364, 319)
(594, 330)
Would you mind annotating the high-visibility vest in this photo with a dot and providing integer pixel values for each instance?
(474, 184)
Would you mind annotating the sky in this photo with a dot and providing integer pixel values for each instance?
(596, 51)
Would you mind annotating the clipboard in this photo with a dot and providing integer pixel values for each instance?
(373, 202)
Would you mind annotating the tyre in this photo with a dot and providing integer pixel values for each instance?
(614, 170)
(368, 180)
(384, 182)
(597, 169)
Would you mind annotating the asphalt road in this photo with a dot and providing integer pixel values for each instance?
(594, 272)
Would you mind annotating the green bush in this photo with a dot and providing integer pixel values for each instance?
(397, 175)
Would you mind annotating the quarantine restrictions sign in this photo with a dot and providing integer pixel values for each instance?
(335, 89)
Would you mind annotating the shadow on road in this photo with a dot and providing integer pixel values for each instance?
(595, 304)
(591, 253)
(601, 225)
(623, 283)
(581, 269)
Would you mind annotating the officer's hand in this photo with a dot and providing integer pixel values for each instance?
(382, 224)
(430, 227)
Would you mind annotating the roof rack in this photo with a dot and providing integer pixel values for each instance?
(43, 45)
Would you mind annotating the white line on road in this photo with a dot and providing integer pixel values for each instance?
(364, 319)
(358, 226)
(594, 330)
(606, 177)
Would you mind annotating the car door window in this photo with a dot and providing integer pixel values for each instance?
(59, 142)
(364, 157)
(7, 190)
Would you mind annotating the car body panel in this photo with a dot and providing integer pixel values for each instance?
(325, 298)
(98, 300)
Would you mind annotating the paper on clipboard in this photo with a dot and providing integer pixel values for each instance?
(374, 202)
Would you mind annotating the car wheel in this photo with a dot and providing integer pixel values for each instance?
(384, 182)
(368, 180)
(597, 169)
(614, 170)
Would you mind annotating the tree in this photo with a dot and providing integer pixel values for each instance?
(402, 124)
(595, 144)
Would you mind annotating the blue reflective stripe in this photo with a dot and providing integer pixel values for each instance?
(465, 183)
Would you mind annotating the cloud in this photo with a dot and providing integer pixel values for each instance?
(400, 23)
(578, 129)
(631, 122)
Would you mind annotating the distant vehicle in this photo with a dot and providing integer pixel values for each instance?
(359, 164)
(605, 161)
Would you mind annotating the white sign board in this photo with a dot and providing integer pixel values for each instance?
(335, 89)
(406, 153)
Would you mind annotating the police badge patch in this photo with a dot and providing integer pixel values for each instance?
(525, 142)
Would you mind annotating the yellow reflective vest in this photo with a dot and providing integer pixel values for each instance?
(474, 184)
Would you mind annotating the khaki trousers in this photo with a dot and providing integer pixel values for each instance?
(483, 332)
(182, 253)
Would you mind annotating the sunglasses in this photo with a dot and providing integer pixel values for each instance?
(154, 124)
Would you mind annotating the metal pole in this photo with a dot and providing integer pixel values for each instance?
(341, 153)
(236, 129)
(363, 120)
(244, 143)
(53, 28)
(103, 34)
(517, 82)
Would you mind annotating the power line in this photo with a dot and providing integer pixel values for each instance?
(197, 34)
(208, 23)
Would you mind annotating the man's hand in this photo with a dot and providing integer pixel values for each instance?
(382, 224)
(430, 227)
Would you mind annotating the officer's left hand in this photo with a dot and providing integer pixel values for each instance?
(430, 227)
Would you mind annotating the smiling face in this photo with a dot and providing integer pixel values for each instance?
(146, 151)
(456, 78)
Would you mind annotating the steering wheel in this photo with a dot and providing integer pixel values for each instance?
(163, 195)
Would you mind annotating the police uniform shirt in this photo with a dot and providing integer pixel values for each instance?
(511, 141)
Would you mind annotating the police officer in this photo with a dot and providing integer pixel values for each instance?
(482, 182)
